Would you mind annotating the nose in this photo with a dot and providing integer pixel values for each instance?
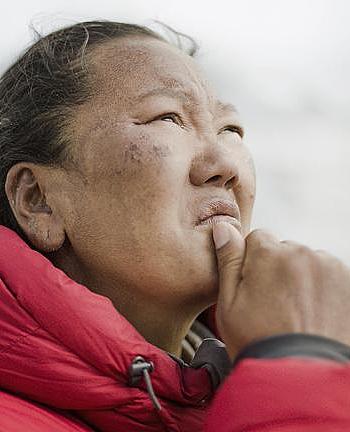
(215, 166)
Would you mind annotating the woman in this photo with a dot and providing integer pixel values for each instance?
(118, 164)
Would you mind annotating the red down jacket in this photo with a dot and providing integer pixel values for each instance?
(66, 359)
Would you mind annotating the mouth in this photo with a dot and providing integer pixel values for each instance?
(219, 210)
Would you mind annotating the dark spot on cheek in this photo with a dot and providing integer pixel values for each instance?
(133, 153)
(160, 151)
(142, 152)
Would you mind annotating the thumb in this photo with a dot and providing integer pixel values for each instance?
(230, 251)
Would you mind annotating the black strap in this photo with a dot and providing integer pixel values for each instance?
(296, 345)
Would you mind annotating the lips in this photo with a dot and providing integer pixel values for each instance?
(219, 210)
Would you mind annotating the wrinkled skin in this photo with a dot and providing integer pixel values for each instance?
(123, 221)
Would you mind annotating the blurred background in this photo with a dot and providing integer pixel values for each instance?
(284, 63)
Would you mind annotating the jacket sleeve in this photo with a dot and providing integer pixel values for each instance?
(285, 383)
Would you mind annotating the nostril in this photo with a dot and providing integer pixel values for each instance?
(231, 183)
(213, 179)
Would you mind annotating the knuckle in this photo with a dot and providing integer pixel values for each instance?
(301, 258)
(321, 252)
(298, 251)
(289, 243)
(326, 256)
(258, 235)
(303, 251)
(294, 258)
(260, 241)
(329, 261)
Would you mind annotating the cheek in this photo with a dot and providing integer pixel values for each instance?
(246, 189)
(125, 151)
(139, 171)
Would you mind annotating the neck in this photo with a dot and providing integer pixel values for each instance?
(164, 330)
(162, 326)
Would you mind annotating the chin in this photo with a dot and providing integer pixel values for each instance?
(206, 271)
(205, 287)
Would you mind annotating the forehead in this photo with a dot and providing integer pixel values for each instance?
(129, 69)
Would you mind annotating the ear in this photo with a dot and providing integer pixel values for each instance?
(25, 190)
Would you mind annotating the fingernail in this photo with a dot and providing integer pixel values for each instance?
(221, 235)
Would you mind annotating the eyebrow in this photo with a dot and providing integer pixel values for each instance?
(183, 96)
(227, 107)
(166, 91)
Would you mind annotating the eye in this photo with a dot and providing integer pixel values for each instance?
(170, 117)
(233, 129)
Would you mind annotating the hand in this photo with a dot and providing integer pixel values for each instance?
(270, 287)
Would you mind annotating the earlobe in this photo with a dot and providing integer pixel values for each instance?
(25, 189)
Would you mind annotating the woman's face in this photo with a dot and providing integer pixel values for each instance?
(153, 146)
